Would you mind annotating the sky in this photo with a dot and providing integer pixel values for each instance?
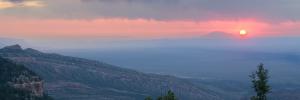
(147, 18)
(132, 32)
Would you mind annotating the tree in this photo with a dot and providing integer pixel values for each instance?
(148, 98)
(169, 96)
(259, 81)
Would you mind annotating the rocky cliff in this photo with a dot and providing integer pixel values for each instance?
(19, 83)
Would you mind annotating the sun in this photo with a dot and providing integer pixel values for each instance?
(243, 32)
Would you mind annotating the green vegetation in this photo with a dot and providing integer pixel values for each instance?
(10, 93)
(148, 98)
(169, 96)
(10, 74)
(260, 83)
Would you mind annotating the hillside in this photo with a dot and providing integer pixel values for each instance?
(19, 83)
(70, 78)
(11, 41)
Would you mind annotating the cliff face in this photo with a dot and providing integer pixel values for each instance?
(19, 83)
(32, 84)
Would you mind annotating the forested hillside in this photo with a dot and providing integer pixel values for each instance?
(71, 78)
(19, 83)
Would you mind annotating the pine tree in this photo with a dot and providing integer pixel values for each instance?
(260, 83)
(169, 96)
(148, 98)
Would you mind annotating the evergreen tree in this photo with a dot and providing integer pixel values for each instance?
(160, 98)
(148, 98)
(9, 72)
(260, 83)
(169, 96)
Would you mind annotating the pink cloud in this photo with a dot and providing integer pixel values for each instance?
(137, 28)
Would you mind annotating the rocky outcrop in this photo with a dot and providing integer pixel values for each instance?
(32, 84)
(19, 83)
(28, 82)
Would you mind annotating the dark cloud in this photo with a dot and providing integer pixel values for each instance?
(268, 10)
(132, 1)
(201, 9)
(16, 0)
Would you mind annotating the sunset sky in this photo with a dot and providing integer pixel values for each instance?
(147, 18)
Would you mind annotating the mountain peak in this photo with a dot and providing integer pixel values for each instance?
(218, 34)
(32, 50)
(15, 47)
(18, 49)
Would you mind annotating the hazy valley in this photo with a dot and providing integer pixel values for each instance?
(75, 78)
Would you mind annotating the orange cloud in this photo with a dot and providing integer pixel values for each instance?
(5, 4)
(137, 28)
(26, 4)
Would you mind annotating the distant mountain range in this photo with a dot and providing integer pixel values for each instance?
(70, 78)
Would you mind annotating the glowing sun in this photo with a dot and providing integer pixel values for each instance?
(243, 32)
